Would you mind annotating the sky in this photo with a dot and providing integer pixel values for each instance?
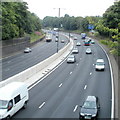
(43, 8)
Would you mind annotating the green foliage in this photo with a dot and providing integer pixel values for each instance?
(35, 37)
(17, 20)
(68, 22)
(112, 16)
(105, 42)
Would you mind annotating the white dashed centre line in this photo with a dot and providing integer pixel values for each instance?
(75, 108)
(7, 69)
(91, 73)
(85, 87)
(60, 85)
(9, 62)
(70, 72)
(42, 105)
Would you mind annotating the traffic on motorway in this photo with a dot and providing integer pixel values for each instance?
(80, 87)
(30, 56)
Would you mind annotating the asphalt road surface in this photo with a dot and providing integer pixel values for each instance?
(17, 63)
(61, 93)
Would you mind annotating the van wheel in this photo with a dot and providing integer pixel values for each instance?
(8, 117)
(25, 105)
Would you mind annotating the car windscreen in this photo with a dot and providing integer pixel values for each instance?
(71, 57)
(89, 105)
(100, 63)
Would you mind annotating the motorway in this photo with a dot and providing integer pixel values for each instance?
(17, 63)
(61, 93)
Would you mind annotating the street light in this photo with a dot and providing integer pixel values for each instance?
(58, 28)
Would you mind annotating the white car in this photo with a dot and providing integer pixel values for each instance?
(75, 38)
(78, 44)
(71, 59)
(62, 41)
(71, 35)
(75, 50)
(92, 42)
(56, 39)
(27, 50)
(88, 51)
(100, 65)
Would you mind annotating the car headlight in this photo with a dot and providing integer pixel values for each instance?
(82, 114)
(93, 115)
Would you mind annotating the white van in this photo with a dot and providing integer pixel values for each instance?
(13, 97)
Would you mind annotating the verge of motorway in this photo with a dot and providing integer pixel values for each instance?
(116, 76)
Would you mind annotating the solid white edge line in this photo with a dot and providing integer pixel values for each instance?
(112, 81)
(41, 105)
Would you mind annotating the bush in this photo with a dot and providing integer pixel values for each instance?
(105, 42)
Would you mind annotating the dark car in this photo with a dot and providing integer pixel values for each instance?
(89, 110)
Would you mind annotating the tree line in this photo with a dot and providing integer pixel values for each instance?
(17, 20)
(108, 25)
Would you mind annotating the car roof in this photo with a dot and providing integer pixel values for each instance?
(75, 48)
(71, 56)
(88, 49)
(100, 60)
(91, 98)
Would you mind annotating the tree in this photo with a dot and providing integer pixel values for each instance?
(112, 16)
(17, 20)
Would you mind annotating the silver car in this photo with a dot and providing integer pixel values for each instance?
(27, 50)
(75, 51)
(75, 38)
(78, 44)
(71, 59)
(88, 51)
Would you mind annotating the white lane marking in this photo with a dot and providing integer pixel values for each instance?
(60, 85)
(7, 69)
(93, 64)
(85, 87)
(75, 108)
(9, 62)
(70, 72)
(91, 73)
(42, 105)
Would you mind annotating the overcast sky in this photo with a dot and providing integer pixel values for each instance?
(75, 8)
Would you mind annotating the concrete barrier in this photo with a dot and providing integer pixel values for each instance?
(32, 71)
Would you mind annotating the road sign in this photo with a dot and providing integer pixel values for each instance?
(91, 27)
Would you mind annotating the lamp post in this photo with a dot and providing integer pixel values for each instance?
(58, 29)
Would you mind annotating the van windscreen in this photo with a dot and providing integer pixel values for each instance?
(3, 104)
